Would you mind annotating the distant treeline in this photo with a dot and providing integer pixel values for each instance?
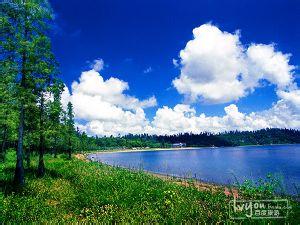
(236, 138)
(232, 138)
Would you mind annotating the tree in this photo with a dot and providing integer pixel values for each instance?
(8, 75)
(31, 137)
(55, 114)
(14, 17)
(29, 19)
(8, 112)
(44, 75)
(70, 127)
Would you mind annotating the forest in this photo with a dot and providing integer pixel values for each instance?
(235, 138)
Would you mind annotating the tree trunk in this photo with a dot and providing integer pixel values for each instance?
(41, 167)
(54, 148)
(19, 172)
(3, 145)
(70, 149)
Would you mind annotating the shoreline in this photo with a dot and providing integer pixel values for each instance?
(143, 150)
(186, 182)
(173, 149)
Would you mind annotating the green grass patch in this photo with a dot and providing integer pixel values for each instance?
(77, 191)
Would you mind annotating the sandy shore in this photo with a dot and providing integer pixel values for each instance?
(143, 150)
(200, 185)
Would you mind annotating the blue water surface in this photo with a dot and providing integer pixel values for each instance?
(217, 165)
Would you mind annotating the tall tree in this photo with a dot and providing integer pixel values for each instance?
(45, 71)
(8, 76)
(55, 115)
(14, 15)
(35, 62)
(70, 127)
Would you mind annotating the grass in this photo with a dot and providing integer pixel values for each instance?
(77, 191)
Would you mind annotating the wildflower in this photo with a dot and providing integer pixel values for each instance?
(227, 192)
(235, 193)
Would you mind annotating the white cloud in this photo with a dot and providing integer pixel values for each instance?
(183, 118)
(105, 106)
(292, 97)
(217, 68)
(148, 70)
(128, 122)
(106, 115)
(65, 97)
(92, 85)
(98, 65)
(175, 62)
(264, 62)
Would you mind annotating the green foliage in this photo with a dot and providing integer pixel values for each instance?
(8, 75)
(129, 141)
(262, 137)
(268, 187)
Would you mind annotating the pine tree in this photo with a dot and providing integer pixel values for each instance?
(29, 19)
(55, 115)
(70, 127)
(8, 75)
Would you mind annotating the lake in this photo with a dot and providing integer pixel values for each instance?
(216, 165)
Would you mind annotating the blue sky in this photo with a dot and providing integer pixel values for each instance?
(133, 36)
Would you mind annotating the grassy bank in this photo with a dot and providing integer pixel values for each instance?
(78, 191)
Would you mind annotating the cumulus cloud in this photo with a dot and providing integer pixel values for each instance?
(101, 103)
(183, 118)
(292, 97)
(128, 122)
(217, 68)
(105, 107)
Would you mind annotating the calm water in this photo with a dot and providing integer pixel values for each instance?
(217, 165)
